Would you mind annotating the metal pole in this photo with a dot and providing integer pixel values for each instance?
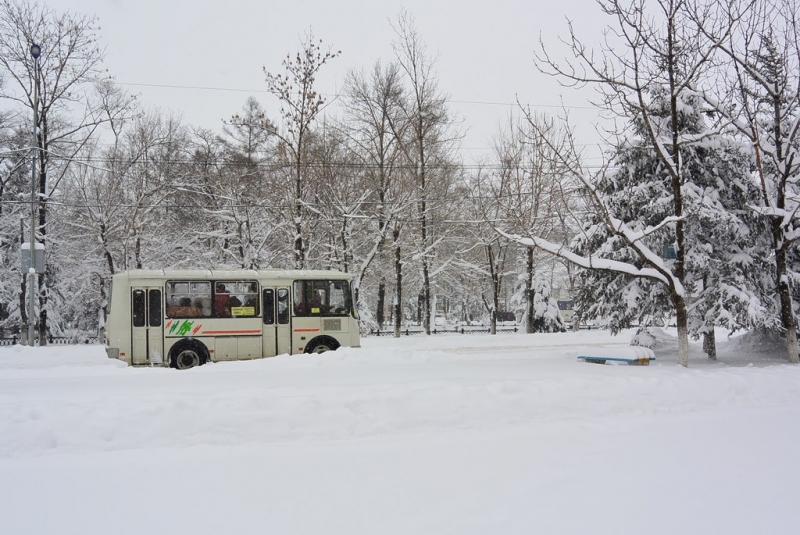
(35, 51)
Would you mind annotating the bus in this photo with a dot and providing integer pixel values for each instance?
(566, 307)
(185, 318)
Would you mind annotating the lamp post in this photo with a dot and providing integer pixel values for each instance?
(36, 51)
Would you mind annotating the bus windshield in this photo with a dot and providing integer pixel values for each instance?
(321, 298)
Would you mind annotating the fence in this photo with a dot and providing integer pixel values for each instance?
(472, 329)
(55, 340)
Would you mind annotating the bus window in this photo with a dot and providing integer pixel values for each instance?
(283, 306)
(231, 299)
(154, 308)
(269, 306)
(222, 306)
(138, 308)
(188, 299)
(236, 299)
(339, 298)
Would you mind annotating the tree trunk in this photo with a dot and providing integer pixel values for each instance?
(791, 345)
(426, 295)
(529, 291)
(682, 320)
(398, 285)
(493, 277)
(137, 251)
(345, 246)
(423, 209)
(106, 253)
(299, 251)
(710, 345)
(46, 278)
(23, 310)
(381, 303)
(493, 315)
(787, 315)
(298, 241)
(102, 316)
(240, 233)
(44, 282)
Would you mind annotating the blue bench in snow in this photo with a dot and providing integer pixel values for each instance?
(635, 356)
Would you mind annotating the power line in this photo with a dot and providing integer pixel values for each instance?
(317, 204)
(338, 95)
(273, 166)
(278, 206)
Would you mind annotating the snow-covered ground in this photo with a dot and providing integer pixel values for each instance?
(462, 434)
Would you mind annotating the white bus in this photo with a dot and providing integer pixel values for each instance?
(185, 318)
(566, 307)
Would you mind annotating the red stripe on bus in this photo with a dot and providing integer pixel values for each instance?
(306, 330)
(231, 332)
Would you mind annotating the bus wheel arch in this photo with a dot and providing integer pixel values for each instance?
(188, 354)
(322, 344)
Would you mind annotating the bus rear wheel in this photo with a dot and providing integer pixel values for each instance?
(186, 356)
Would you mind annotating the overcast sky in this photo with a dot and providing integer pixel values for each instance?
(205, 58)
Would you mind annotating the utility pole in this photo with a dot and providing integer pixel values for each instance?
(36, 51)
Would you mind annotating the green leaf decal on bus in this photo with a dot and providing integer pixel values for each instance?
(186, 326)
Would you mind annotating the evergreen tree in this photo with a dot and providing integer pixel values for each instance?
(724, 241)
(546, 317)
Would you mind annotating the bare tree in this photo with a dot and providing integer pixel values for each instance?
(58, 88)
(244, 221)
(15, 172)
(539, 196)
(486, 251)
(300, 105)
(375, 126)
(426, 142)
(155, 158)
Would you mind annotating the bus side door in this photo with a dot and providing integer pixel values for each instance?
(277, 332)
(147, 331)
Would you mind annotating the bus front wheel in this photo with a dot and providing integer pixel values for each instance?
(185, 356)
(322, 344)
